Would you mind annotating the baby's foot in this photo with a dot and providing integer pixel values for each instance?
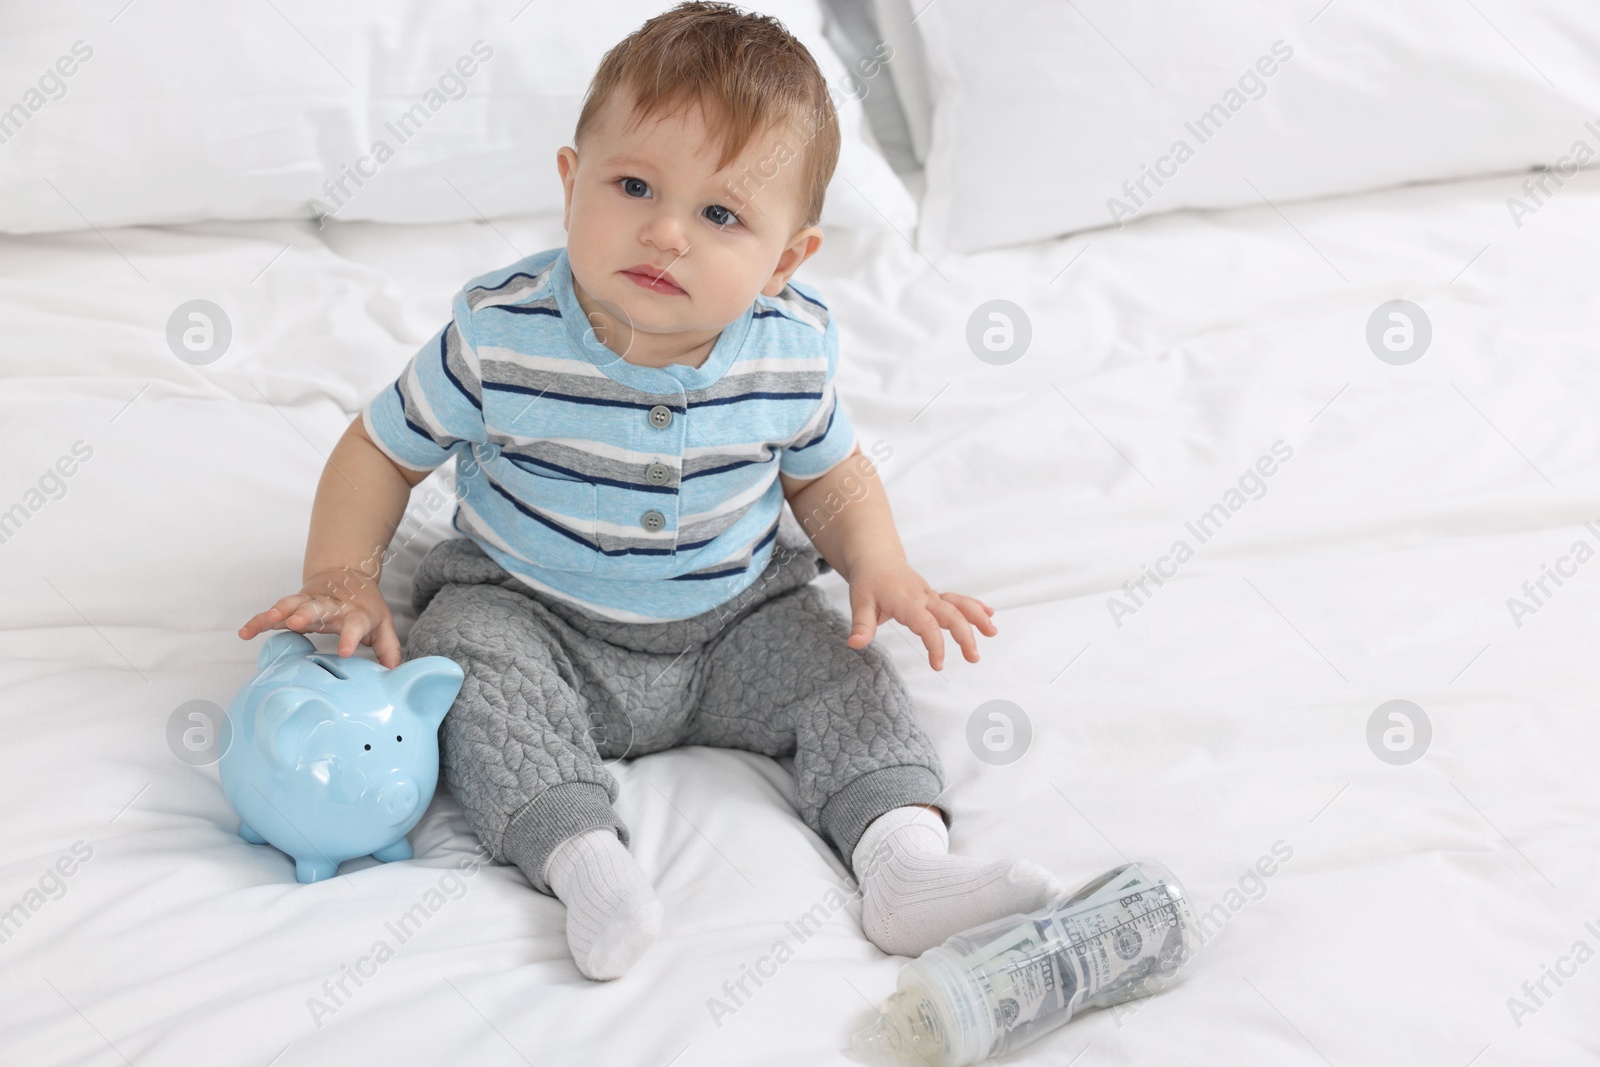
(915, 895)
(613, 914)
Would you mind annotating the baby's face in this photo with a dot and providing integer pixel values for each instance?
(647, 199)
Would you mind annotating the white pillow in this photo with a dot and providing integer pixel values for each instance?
(1036, 129)
(909, 70)
(187, 110)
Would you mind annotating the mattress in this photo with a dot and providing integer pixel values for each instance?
(1416, 890)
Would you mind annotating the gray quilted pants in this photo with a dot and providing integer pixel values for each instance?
(551, 691)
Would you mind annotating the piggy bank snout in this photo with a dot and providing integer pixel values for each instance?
(397, 801)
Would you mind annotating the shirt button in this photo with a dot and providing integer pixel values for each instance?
(658, 473)
(660, 416)
(653, 520)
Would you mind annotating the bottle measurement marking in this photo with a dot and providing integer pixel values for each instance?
(1081, 944)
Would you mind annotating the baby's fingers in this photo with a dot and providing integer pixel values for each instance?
(950, 617)
(354, 628)
(974, 609)
(274, 617)
(926, 626)
(313, 616)
(386, 643)
(864, 619)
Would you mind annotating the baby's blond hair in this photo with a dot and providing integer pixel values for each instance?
(746, 72)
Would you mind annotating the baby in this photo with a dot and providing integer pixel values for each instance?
(628, 415)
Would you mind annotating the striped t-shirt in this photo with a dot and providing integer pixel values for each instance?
(637, 493)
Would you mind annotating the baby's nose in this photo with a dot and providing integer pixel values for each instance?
(666, 233)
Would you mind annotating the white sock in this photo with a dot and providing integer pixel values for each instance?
(915, 895)
(613, 914)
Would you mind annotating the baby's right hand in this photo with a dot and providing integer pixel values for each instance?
(342, 602)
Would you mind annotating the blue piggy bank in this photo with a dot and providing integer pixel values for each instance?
(334, 758)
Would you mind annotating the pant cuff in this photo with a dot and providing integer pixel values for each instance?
(550, 818)
(848, 812)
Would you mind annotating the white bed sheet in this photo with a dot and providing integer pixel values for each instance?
(1227, 715)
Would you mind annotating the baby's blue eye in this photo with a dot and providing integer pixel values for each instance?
(716, 213)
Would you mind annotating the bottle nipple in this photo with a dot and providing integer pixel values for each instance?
(877, 1043)
(900, 1033)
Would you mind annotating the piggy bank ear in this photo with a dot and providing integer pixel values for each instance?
(286, 719)
(427, 686)
(282, 644)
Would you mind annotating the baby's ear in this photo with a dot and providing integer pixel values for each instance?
(567, 168)
(802, 246)
(428, 686)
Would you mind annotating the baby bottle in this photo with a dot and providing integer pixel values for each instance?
(997, 987)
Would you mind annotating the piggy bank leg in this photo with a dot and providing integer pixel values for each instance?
(400, 850)
(314, 870)
(250, 835)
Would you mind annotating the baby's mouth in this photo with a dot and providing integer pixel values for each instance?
(654, 281)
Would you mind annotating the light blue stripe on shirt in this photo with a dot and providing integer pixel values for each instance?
(638, 493)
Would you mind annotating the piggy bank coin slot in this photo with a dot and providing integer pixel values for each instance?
(336, 671)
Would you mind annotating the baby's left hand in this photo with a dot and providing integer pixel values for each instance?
(885, 587)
